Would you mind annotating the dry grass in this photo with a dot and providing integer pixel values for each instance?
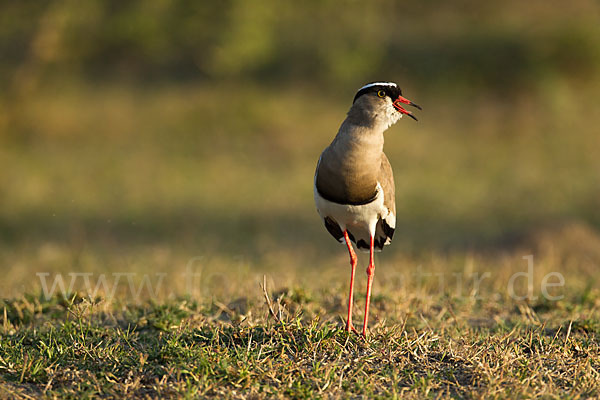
(425, 341)
(443, 327)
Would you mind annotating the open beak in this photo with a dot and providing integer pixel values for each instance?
(398, 106)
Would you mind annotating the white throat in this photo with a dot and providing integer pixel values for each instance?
(390, 116)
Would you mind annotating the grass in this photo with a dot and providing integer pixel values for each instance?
(168, 205)
(438, 330)
(424, 345)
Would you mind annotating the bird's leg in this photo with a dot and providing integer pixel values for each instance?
(370, 273)
(353, 261)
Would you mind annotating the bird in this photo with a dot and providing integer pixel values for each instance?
(354, 183)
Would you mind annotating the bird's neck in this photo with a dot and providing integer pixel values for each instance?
(363, 142)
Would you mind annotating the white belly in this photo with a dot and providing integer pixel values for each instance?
(360, 219)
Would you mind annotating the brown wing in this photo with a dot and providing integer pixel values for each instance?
(386, 180)
(386, 226)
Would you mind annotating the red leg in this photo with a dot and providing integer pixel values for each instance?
(370, 273)
(353, 260)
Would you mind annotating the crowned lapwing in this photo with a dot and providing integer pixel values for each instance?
(354, 183)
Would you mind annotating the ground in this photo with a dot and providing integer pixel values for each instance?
(422, 343)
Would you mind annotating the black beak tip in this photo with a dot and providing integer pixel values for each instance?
(416, 106)
(412, 116)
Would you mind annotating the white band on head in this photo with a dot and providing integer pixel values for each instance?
(378, 84)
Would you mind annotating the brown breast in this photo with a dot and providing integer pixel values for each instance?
(346, 180)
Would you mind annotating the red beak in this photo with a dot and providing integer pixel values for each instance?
(398, 106)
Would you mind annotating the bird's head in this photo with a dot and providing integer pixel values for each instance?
(381, 102)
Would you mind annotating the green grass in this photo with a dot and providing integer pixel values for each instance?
(428, 346)
(207, 193)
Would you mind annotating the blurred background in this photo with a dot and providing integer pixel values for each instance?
(140, 135)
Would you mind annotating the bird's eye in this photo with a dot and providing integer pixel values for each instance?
(381, 93)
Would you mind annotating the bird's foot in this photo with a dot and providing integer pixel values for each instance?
(351, 328)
